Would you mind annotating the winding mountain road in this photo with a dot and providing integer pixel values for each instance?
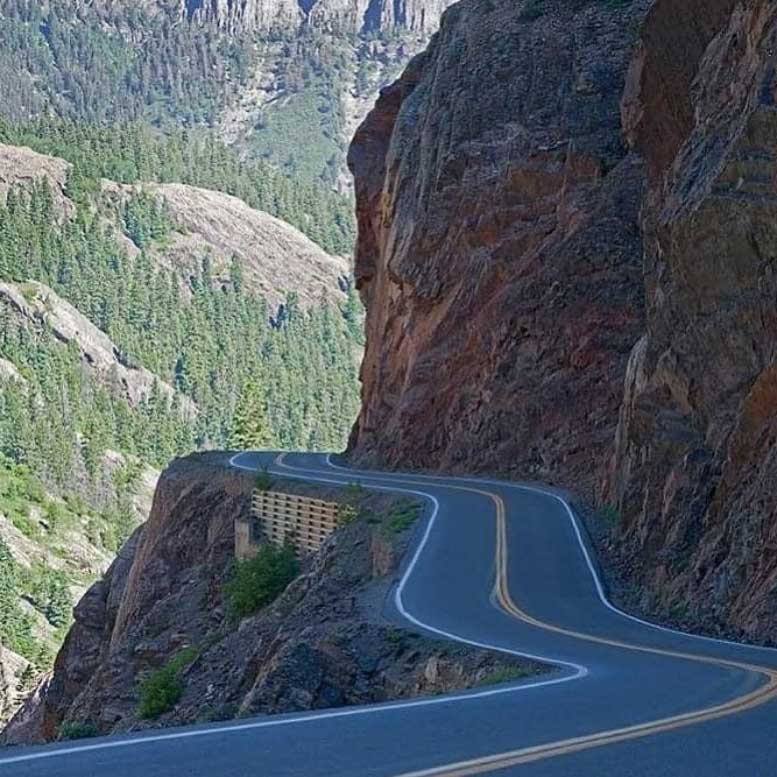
(505, 566)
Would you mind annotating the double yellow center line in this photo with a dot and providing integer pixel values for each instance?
(765, 693)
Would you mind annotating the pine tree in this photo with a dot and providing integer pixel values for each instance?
(250, 428)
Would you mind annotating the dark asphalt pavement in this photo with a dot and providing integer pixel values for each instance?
(614, 672)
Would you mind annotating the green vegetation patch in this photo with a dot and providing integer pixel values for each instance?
(264, 481)
(259, 581)
(402, 516)
(146, 220)
(77, 730)
(163, 688)
(49, 591)
(506, 675)
(16, 626)
(612, 515)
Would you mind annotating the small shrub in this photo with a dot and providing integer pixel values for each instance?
(220, 713)
(77, 730)
(25, 525)
(402, 517)
(49, 590)
(258, 581)
(264, 481)
(394, 637)
(611, 514)
(163, 688)
(355, 493)
(346, 513)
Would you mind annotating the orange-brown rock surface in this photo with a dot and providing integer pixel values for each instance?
(695, 474)
(499, 255)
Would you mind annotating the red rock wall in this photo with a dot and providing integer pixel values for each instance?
(499, 254)
(695, 474)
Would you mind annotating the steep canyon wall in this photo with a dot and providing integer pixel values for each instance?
(567, 250)
(499, 252)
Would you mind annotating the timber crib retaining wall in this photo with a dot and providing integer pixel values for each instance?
(281, 518)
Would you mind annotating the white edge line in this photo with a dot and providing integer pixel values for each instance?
(578, 671)
(578, 534)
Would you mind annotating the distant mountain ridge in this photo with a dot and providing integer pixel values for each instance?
(284, 80)
(353, 16)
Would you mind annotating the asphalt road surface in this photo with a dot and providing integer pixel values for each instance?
(505, 566)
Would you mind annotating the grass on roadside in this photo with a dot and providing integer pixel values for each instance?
(259, 581)
(509, 674)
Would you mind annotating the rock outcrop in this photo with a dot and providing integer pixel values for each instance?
(696, 466)
(244, 15)
(37, 305)
(276, 258)
(12, 668)
(365, 16)
(23, 167)
(8, 371)
(321, 644)
(499, 256)
(350, 16)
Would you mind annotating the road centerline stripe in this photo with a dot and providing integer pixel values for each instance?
(764, 694)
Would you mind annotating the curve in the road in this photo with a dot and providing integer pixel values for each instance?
(736, 684)
(766, 693)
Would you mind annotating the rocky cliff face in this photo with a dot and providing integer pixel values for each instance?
(353, 16)
(499, 255)
(321, 644)
(546, 190)
(696, 464)
(39, 306)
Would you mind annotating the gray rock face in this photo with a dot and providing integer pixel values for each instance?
(11, 668)
(696, 463)
(245, 15)
(8, 371)
(20, 166)
(36, 304)
(354, 16)
(378, 15)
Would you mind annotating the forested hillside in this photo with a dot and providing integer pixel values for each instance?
(141, 317)
(130, 152)
(289, 88)
(115, 356)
